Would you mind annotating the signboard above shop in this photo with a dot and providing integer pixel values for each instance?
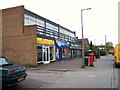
(74, 46)
(45, 41)
(61, 44)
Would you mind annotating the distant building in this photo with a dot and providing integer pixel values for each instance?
(101, 47)
(86, 42)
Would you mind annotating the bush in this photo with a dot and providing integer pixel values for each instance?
(102, 52)
(87, 53)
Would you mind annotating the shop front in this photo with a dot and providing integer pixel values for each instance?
(74, 51)
(45, 50)
(61, 51)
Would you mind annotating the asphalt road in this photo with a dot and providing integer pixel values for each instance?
(66, 75)
(100, 76)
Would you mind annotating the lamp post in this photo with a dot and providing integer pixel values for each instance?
(105, 44)
(95, 42)
(83, 62)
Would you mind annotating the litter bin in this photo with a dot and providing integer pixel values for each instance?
(86, 61)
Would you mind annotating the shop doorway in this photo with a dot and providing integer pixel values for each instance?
(39, 54)
(52, 53)
(46, 55)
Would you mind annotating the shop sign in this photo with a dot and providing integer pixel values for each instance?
(45, 41)
(75, 46)
(61, 44)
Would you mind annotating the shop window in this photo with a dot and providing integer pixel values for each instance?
(39, 52)
(64, 53)
(51, 53)
(57, 53)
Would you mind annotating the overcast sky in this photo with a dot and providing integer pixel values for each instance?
(101, 20)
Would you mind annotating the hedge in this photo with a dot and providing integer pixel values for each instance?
(102, 52)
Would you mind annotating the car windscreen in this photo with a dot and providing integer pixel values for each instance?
(4, 61)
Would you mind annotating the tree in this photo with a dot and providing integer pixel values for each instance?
(91, 45)
(109, 46)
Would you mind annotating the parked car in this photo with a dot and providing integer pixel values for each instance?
(11, 74)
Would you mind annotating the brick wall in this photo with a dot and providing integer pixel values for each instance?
(18, 42)
(30, 44)
(13, 21)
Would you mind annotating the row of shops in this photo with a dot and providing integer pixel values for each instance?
(49, 50)
(40, 40)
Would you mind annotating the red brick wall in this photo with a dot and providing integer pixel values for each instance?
(18, 42)
(13, 21)
(30, 44)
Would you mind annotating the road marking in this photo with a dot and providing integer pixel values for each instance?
(92, 76)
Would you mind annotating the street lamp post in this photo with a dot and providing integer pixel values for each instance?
(83, 62)
(95, 42)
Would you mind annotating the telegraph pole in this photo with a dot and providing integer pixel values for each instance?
(83, 60)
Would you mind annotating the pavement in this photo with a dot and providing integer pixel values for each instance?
(73, 64)
(69, 74)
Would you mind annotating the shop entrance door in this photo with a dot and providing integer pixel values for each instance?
(46, 54)
(39, 54)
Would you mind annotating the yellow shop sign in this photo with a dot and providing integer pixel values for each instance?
(45, 41)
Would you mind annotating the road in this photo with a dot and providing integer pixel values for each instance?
(66, 75)
(100, 76)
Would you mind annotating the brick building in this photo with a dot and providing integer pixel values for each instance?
(18, 41)
(25, 34)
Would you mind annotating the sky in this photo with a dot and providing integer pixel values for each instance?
(100, 20)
